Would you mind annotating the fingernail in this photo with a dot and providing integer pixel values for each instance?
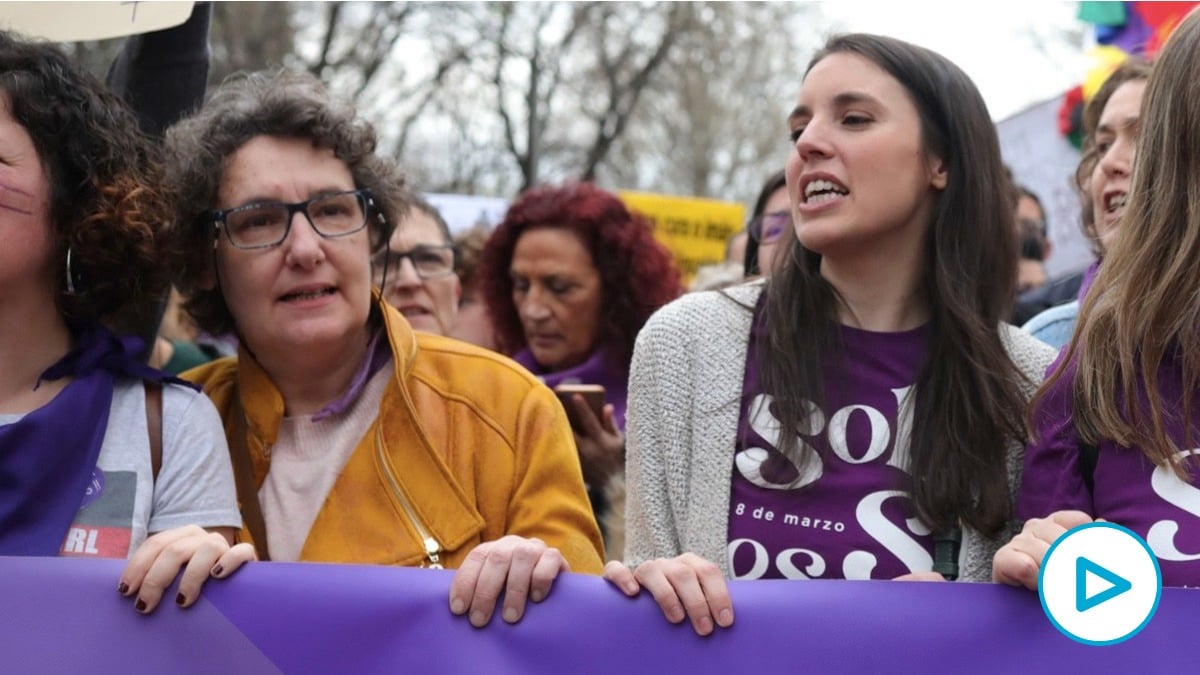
(536, 595)
(180, 599)
(510, 615)
(631, 588)
(477, 619)
(726, 617)
(217, 570)
(704, 625)
(457, 606)
(122, 588)
(140, 605)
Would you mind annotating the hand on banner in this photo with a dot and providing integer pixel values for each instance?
(1017, 563)
(601, 445)
(522, 568)
(202, 553)
(920, 576)
(684, 587)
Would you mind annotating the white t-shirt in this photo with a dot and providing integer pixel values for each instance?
(124, 502)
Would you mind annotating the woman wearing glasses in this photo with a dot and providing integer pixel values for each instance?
(416, 273)
(569, 278)
(355, 439)
(771, 220)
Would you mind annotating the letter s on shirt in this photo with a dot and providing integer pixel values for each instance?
(1161, 535)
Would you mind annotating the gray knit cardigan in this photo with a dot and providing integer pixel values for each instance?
(685, 387)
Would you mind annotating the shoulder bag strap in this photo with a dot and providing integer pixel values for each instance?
(154, 413)
(243, 472)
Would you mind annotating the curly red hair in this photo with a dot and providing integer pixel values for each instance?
(638, 274)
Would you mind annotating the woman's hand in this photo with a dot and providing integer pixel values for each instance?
(1017, 563)
(521, 568)
(920, 576)
(687, 586)
(202, 553)
(601, 445)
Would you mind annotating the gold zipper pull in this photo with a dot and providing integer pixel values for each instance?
(432, 548)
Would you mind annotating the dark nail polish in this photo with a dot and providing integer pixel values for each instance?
(217, 569)
(179, 599)
(140, 605)
(122, 588)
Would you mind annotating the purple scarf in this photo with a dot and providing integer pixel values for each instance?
(597, 369)
(47, 457)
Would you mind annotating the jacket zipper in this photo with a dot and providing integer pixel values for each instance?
(432, 547)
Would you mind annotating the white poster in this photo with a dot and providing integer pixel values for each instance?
(1044, 161)
(79, 21)
(462, 212)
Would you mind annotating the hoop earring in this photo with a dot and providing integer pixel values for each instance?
(70, 276)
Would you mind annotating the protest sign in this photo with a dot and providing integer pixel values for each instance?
(694, 229)
(78, 21)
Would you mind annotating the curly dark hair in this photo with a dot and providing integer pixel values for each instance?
(105, 203)
(265, 103)
(638, 274)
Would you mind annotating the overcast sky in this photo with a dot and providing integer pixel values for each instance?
(1018, 53)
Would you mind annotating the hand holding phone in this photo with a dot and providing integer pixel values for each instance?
(593, 395)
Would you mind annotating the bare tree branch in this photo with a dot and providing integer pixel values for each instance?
(624, 100)
(332, 24)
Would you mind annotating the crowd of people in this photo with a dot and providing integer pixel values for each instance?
(340, 378)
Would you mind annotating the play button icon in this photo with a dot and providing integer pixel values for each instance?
(1099, 584)
(1085, 571)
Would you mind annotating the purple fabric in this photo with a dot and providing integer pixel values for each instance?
(844, 514)
(597, 369)
(379, 353)
(96, 348)
(46, 465)
(65, 616)
(47, 457)
(1089, 276)
(1128, 489)
(1132, 37)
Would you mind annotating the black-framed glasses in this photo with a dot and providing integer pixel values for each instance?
(266, 224)
(429, 261)
(769, 227)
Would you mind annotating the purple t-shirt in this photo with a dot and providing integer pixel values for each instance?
(847, 512)
(1129, 489)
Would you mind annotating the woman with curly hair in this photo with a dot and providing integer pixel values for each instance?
(570, 276)
(87, 464)
(356, 438)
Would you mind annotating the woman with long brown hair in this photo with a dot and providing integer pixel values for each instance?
(861, 414)
(1114, 424)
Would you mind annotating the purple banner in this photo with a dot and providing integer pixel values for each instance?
(62, 615)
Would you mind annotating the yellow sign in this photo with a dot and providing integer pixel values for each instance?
(694, 229)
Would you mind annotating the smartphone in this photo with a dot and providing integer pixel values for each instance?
(593, 395)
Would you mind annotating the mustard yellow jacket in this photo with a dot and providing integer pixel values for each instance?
(468, 447)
